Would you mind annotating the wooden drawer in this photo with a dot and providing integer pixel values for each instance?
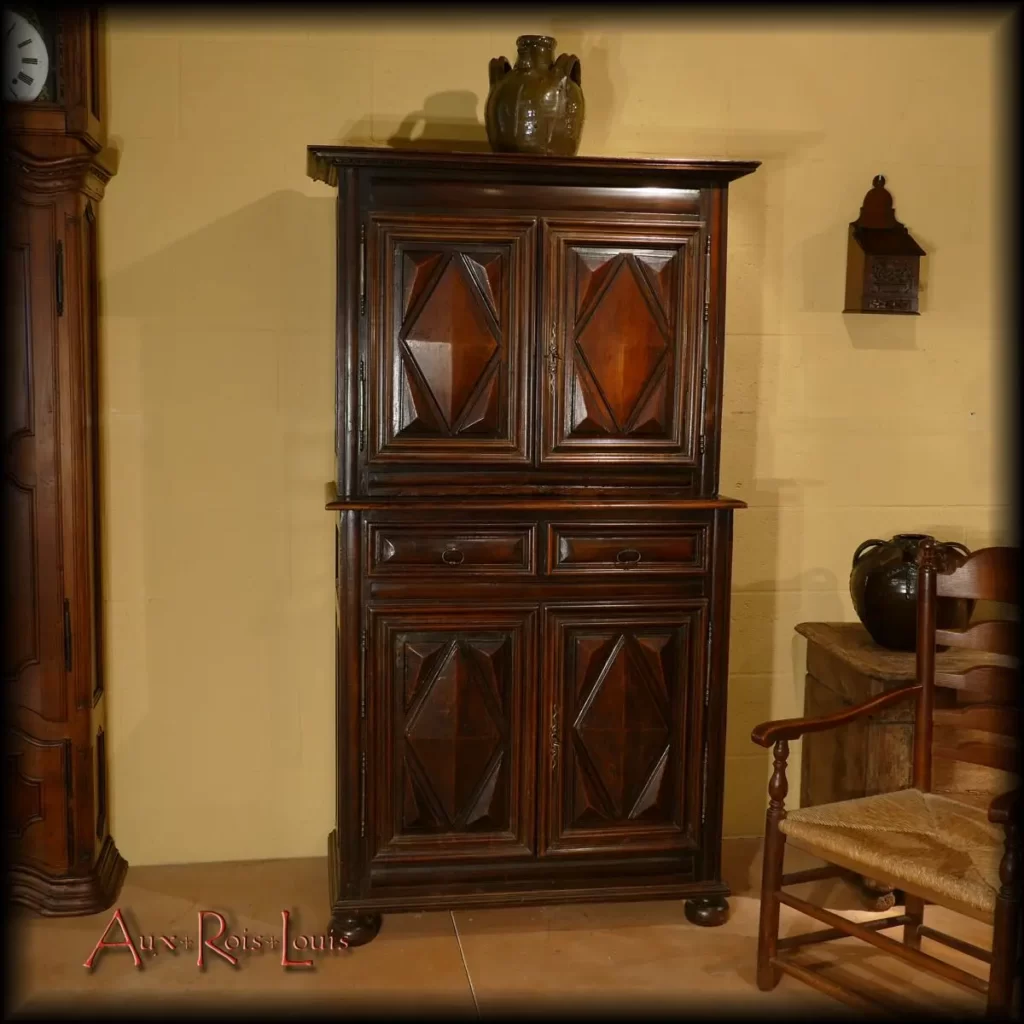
(627, 547)
(407, 549)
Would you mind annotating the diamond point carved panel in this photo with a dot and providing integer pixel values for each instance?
(622, 729)
(624, 692)
(452, 340)
(449, 367)
(622, 344)
(456, 734)
(628, 330)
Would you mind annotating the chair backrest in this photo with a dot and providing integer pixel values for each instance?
(966, 728)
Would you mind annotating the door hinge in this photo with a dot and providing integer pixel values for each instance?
(362, 404)
(362, 795)
(362, 675)
(67, 635)
(59, 280)
(362, 269)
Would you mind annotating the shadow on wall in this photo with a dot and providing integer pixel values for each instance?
(753, 607)
(447, 121)
(219, 381)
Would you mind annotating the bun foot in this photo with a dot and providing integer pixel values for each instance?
(877, 896)
(707, 911)
(355, 929)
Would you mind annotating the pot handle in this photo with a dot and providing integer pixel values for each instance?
(863, 547)
(957, 546)
(498, 68)
(568, 65)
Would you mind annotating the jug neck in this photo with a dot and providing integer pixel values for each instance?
(535, 52)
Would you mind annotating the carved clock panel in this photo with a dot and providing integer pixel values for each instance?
(449, 366)
(622, 745)
(34, 662)
(456, 693)
(621, 339)
(38, 816)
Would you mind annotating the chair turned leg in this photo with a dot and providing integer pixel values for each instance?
(771, 872)
(1006, 933)
(913, 907)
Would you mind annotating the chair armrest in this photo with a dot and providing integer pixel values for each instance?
(1004, 807)
(768, 733)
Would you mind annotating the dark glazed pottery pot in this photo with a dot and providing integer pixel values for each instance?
(536, 106)
(883, 585)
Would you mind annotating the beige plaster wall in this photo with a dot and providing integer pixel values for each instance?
(218, 346)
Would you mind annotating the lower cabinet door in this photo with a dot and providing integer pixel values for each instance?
(451, 694)
(622, 721)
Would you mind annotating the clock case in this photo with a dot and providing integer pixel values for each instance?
(62, 859)
(74, 39)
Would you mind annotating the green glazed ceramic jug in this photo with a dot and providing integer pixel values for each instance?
(536, 106)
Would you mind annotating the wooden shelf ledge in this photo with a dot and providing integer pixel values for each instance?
(529, 503)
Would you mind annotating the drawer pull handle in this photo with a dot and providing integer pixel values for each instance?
(628, 557)
(452, 556)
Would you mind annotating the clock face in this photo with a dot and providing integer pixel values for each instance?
(26, 59)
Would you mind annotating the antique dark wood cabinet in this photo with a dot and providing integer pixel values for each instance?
(533, 560)
(62, 858)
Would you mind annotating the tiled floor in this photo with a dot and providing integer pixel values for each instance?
(637, 957)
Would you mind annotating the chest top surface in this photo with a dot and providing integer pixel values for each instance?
(324, 162)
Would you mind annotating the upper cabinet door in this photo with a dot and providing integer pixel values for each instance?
(449, 372)
(622, 337)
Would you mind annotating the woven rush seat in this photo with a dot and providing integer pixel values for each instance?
(928, 843)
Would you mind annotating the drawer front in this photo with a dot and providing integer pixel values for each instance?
(618, 547)
(406, 549)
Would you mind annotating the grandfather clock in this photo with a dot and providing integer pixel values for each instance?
(63, 860)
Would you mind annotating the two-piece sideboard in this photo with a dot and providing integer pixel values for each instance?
(533, 560)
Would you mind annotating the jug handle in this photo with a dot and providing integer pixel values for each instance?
(863, 547)
(957, 546)
(498, 68)
(569, 66)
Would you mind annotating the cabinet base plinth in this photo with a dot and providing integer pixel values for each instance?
(355, 929)
(74, 896)
(708, 912)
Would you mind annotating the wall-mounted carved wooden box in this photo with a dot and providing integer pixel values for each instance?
(882, 259)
